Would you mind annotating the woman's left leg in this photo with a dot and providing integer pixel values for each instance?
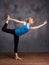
(16, 42)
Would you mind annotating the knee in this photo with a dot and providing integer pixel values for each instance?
(3, 29)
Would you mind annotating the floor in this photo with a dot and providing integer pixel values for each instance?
(28, 59)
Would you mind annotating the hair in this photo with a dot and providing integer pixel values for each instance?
(27, 20)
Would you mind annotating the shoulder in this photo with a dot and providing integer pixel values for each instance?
(25, 23)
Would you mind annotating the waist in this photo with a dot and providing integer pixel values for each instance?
(20, 32)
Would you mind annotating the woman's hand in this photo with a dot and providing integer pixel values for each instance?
(45, 22)
(39, 26)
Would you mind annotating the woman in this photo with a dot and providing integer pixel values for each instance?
(18, 32)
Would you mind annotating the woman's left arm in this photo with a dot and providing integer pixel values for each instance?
(9, 18)
(39, 26)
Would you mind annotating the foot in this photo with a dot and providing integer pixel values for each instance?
(18, 58)
(8, 18)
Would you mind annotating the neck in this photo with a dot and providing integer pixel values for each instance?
(28, 24)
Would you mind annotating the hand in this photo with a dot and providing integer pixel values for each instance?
(8, 18)
(45, 22)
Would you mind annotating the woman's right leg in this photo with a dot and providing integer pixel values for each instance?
(5, 29)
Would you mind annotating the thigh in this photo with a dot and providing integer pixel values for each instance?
(16, 39)
(12, 31)
(16, 42)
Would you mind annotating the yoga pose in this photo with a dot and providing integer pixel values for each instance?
(26, 27)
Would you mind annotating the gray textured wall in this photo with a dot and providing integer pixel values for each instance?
(33, 41)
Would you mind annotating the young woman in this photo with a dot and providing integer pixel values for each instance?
(26, 27)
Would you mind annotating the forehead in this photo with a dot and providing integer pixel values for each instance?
(31, 19)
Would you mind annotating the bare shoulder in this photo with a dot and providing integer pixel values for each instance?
(24, 23)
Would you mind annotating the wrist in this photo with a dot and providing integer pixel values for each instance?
(11, 19)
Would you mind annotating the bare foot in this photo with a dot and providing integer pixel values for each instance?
(18, 58)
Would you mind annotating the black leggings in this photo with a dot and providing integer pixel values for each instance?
(12, 31)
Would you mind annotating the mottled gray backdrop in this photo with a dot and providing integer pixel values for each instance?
(33, 41)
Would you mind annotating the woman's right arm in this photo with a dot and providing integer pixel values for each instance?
(39, 26)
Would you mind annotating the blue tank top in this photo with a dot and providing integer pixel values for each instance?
(24, 29)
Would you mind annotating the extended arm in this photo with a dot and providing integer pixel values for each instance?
(39, 26)
(23, 22)
(17, 20)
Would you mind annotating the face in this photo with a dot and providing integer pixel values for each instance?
(31, 21)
